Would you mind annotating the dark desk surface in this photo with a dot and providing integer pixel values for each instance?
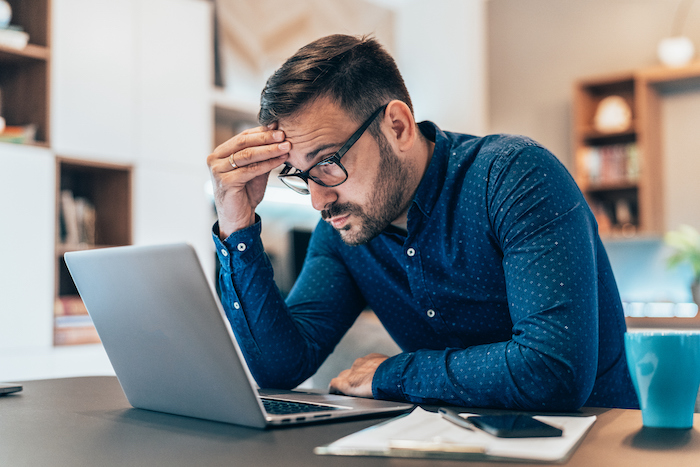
(87, 421)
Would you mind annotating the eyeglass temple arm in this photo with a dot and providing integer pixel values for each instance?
(364, 126)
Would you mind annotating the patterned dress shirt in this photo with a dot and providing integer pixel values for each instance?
(500, 294)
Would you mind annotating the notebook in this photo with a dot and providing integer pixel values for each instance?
(172, 347)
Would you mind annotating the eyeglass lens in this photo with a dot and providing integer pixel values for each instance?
(296, 184)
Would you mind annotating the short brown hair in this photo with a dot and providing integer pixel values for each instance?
(355, 72)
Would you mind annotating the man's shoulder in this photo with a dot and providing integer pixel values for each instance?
(491, 152)
(458, 145)
(499, 143)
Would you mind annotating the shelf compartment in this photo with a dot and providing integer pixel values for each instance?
(106, 190)
(24, 73)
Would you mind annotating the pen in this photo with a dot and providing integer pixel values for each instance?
(453, 417)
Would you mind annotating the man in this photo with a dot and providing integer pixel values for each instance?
(479, 255)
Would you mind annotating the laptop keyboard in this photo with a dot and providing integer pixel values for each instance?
(278, 407)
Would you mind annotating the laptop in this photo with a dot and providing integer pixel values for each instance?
(173, 349)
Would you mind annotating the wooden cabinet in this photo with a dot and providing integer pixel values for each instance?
(128, 119)
(613, 168)
(24, 73)
(620, 168)
(94, 211)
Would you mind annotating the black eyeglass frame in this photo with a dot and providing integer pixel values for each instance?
(335, 158)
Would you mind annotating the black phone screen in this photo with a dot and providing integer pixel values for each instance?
(9, 388)
(514, 426)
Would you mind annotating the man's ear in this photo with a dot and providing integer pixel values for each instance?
(401, 124)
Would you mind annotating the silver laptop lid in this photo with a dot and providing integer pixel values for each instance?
(148, 303)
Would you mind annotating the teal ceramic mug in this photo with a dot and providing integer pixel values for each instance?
(665, 370)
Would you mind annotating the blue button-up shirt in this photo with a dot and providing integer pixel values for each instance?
(500, 294)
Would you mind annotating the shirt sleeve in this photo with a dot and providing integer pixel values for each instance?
(284, 344)
(541, 222)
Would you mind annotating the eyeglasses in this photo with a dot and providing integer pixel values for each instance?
(329, 172)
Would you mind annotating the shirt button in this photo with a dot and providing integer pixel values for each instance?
(236, 305)
(430, 313)
(411, 252)
(241, 247)
(224, 252)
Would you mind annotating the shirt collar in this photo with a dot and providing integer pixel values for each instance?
(431, 184)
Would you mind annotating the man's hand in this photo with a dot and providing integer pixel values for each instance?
(239, 170)
(357, 381)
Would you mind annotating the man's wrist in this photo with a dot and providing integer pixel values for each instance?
(387, 381)
(239, 249)
(227, 227)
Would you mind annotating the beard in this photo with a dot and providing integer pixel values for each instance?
(388, 201)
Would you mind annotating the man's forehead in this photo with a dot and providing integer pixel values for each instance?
(315, 131)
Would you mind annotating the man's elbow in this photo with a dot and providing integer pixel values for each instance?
(567, 394)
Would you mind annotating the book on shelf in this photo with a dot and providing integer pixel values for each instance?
(23, 134)
(69, 305)
(610, 164)
(77, 321)
(13, 37)
(72, 324)
(75, 334)
(77, 221)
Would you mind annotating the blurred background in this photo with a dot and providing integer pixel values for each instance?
(110, 109)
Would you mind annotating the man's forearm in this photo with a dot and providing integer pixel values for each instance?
(276, 352)
(504, 375)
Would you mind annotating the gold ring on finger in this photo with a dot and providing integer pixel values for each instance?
(232, 162)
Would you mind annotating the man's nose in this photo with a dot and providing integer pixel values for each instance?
(321, 196)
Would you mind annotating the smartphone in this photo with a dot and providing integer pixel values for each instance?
(9, 388)
(514, 426)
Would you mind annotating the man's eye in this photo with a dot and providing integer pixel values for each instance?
(330, 160)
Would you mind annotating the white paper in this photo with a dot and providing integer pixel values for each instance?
(427, 431)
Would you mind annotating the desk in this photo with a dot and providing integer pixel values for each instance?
(87, 421)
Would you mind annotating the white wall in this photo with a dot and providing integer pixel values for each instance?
(440, 49)
(174, 66)
(93, 44)
(680, 118)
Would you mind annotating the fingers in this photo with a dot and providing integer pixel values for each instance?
(252, 156)
(239, 169)
(340, 384)
(357, 381)
(249, 147)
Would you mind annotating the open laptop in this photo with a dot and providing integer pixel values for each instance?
(172, 347)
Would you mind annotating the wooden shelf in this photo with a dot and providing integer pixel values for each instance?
(665, 323)
(641, 89)
(664, 74)
(30, 52)
(25, 73)
(106, 189)
(590, 134)
(611, 186)
(62, 248)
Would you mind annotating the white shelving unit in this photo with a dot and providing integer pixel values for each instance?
(130, 86)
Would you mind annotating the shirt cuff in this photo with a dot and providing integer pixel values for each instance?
(387, 381)
(239, 249)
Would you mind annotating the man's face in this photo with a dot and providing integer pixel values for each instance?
(375, 193)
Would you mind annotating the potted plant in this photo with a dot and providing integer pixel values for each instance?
(686, 243)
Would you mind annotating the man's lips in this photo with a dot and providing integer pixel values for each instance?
(338, 221)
